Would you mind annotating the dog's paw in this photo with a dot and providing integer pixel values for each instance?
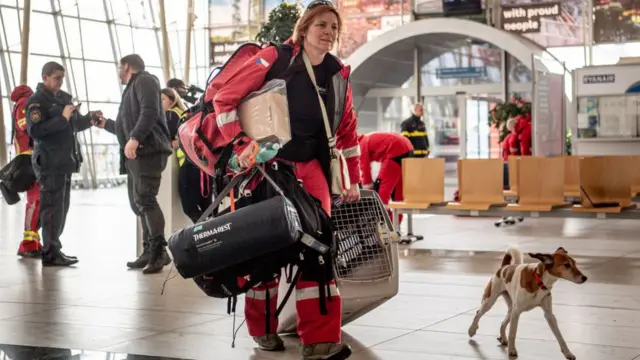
(503, 340)
(513, 353)
(569, 355)
(472, 330)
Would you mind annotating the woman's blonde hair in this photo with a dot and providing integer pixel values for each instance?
(305, 21)
(175, 98)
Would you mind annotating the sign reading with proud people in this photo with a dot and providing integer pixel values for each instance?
(526, 18)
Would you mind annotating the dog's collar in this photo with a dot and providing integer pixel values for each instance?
(538, 280)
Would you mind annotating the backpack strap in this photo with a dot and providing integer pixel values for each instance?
(285, 55)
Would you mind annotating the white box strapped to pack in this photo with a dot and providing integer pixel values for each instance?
(366, 264)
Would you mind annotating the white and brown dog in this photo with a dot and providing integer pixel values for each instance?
(526, 286)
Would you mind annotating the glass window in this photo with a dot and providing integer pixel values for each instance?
(67, 7)
(78, 87)
(608, 116)
(47, 41)
(102, 79)
(11, 70)
(124, 40)
(96, 40)
(92, 9)
(35, 5)
(146, 45)
(6, 106)
(69, 30)
(11, 25)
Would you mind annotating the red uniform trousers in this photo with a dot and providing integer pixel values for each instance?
(313, 327)
(390, 183)
(31, 238)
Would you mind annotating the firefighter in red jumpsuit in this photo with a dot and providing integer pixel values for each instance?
(317, 31)
(388, 149)
(30, 245)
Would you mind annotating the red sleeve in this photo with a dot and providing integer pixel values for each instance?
(347, 138)
(525, 140)
(21, 137)
(247, 78)
(20, 116)
(365, 162)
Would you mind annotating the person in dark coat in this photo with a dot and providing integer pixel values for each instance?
(141, 128)
(52, 123)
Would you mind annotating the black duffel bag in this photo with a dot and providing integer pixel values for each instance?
(18, 175)
(229, 254)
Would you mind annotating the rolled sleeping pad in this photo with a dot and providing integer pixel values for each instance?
(230, 239)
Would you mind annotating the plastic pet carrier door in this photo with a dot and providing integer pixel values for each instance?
(366, 264)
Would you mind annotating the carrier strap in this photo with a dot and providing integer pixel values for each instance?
(216, 202)
(292, 287)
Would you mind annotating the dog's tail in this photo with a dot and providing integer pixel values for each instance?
(513, 256)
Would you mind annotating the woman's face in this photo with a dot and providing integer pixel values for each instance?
(166, 102)
(323, 32)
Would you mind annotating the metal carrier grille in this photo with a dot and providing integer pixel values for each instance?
(363, 238)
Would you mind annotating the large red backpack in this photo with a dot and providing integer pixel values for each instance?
(199, 136)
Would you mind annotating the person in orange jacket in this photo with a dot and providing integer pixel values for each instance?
(388, 149)
(30, 245)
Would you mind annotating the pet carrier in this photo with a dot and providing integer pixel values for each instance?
(366, 264)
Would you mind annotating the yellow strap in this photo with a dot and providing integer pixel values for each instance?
(28, 152)
(414, 133)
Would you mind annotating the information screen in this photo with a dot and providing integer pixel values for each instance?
(461, 7)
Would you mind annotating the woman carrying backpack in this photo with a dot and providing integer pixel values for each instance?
(315, 34)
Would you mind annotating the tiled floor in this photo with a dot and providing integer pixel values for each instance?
(101, 306)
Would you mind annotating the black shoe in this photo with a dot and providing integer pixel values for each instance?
(68, 256)
(141, 261)
(159, 259)
(58, 260)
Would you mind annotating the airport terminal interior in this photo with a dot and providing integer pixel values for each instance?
(574, 77)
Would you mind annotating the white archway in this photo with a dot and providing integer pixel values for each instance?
(518, 46)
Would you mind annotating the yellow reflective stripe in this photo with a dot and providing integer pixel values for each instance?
(22, 122)
(420, 152)
(31, 236)
(180, 156)
(414, 133)
(28, 152)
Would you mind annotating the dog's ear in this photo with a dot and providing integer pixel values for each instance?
(562, 250)
(546, 259)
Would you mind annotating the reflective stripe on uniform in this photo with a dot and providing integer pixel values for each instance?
(226, 118)
(420, 152)
(22, 122)
(262, 294)
(179, 153)
(180, 156)
(314, 292)
(351, 152)
(30, 236)
(414, 133)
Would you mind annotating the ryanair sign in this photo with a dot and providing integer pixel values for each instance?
(599, 79)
